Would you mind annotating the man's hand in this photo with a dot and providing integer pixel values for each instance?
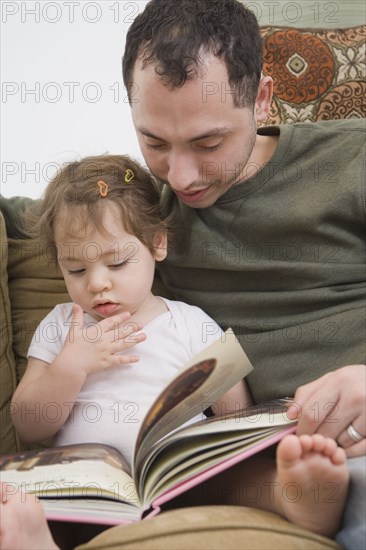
(333, 403)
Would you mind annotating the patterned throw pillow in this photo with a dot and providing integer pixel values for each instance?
(318, 74)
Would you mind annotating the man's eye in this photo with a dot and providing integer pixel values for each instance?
(154, 146)
(209, 148)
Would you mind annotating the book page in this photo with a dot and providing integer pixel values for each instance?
(72, 471)
(210, 467)
(205, 443)
(203, 380)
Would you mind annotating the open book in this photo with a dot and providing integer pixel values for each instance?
(93, 483)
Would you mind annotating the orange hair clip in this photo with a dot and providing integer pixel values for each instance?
(129, 175)
(103, 188)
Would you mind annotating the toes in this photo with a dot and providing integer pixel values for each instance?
(322, 445)
(339, 456)
(319, 443)
(289, 450)
(316, 443)
(306, 442)
(330, 447)
(292, 448)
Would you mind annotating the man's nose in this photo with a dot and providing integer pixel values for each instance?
(183, 171)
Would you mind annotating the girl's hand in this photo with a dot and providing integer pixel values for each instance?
(95, 347)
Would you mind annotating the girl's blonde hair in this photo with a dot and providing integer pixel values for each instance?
(75, 191)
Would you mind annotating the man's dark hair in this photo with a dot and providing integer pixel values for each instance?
(173, 35)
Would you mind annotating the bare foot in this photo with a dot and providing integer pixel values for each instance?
(313, 477)
(23, 525)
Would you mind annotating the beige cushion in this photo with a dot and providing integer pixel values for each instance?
(8, 438)
(210, 527)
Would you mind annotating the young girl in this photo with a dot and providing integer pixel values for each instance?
(89, 363)
(92, 362)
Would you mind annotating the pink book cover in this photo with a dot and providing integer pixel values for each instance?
(183, 486)
(205, 375)
(199, 478)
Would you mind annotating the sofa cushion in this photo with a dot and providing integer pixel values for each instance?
(209, 528)
(318, 74)
(9, 442)
(12, 209)
(35, 287)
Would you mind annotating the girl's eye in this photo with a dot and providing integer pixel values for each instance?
(76, 271)
(118, 265)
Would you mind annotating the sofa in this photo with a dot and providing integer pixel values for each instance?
(318, 74)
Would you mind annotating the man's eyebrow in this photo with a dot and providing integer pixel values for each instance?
(147, 133)
(219, 131)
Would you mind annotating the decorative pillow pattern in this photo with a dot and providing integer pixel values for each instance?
(318, 74)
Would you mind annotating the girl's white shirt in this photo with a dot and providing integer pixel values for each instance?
(112, 403)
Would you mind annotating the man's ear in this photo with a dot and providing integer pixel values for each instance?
(160, 246)
(264, 97)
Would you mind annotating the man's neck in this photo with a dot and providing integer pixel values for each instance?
(262, 153)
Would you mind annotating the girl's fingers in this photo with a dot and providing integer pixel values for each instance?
(111, 323)
(125, 359)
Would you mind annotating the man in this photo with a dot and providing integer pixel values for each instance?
(269, 223)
